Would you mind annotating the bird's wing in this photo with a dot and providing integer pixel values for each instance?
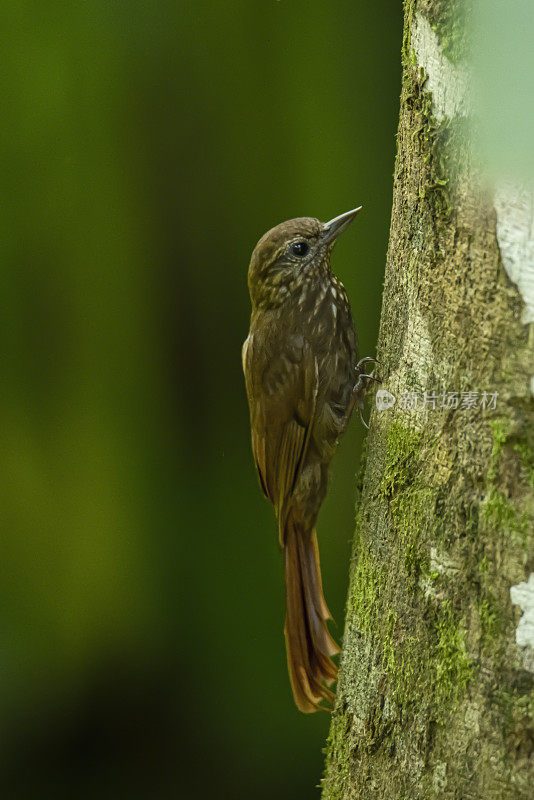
(282, 395)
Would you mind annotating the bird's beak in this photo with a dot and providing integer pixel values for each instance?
(332, 229)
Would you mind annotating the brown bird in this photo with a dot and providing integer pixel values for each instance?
(303, 379)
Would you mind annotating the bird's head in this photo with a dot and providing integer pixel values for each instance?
(291, 255)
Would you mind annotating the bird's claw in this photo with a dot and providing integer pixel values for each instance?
(361, 386)
(369, 377)
(365, 360)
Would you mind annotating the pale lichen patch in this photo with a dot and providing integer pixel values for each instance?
(514, 205)
(446, 81)
(522, 595)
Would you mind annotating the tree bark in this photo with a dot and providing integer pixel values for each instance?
(435, 693)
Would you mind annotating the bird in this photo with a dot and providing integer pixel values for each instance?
(303, 379)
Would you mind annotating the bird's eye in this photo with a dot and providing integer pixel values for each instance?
(300, 249)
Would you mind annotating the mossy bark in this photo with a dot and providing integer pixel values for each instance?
(435, 698)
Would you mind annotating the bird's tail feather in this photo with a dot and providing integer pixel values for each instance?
(308, 642)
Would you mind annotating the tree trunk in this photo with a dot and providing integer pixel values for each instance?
(435, 690)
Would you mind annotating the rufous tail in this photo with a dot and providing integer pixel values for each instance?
(308, 642)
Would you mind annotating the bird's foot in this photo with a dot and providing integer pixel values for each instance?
(361, 386)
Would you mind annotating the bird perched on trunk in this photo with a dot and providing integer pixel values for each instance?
(303, 379)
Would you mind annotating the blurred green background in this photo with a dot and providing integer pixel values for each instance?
(145, 148)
